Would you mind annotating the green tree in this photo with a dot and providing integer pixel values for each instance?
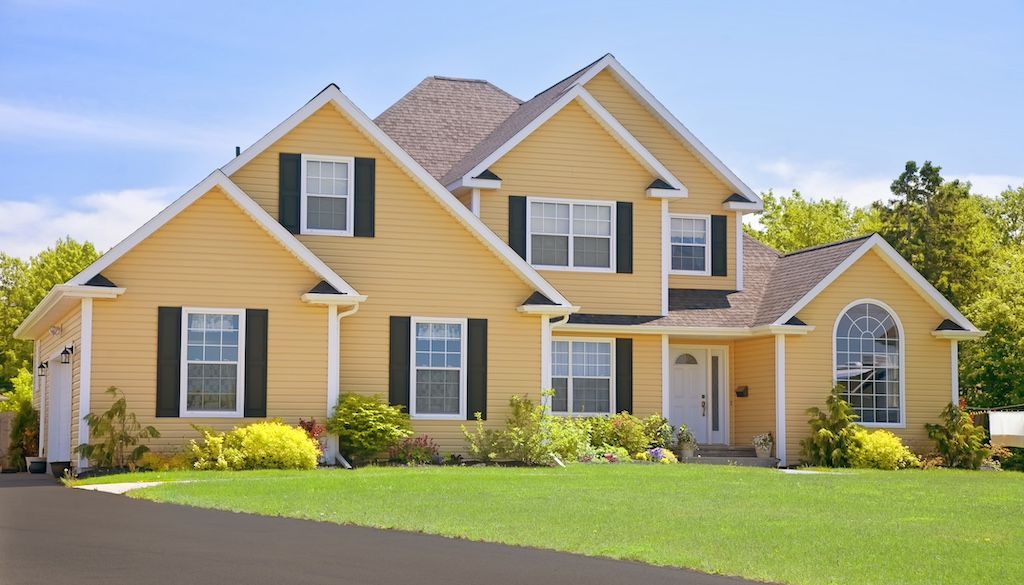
(940, 228)
(22, 286)
(792, 222)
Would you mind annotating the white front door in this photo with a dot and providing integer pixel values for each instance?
(697, 396)
(689, 383)
(58, 404)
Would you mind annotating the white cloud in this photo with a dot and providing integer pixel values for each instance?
(829, 180)
(103, 218)
(19, 122)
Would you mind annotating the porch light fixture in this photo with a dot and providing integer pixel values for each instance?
(65, 356)
(42, 369)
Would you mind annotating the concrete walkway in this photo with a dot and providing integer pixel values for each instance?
(52, 534)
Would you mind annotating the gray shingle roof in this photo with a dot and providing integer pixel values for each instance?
(443, 118)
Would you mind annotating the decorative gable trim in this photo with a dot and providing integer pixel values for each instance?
(675, 187)
(647, 98)
(332, 95)
(899, 264)
(219, 180)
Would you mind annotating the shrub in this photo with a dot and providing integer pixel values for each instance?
(25, 424)
(531, 436)
(262, 445)
(568, 437)
(482, 444)
(833, 433)
(958, 440)
(366, 426)
(620, 430)
(657, 455)
(315, 431)
(119, 433)
(606, 454)
(658, 431)
(881, 450)
(151, 461)
(419, 451)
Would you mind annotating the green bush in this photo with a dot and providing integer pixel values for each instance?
(620, 430)
(531, 435)
(833, 433)
(25, 424)
(420, 450)
(658, 431)
(605, 454)
(367, 427)
(958, 440)
(482, 443)
(262, 445)
(880, 450)
(118, 433)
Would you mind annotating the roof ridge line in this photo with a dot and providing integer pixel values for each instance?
(828, 245)
(578, 71)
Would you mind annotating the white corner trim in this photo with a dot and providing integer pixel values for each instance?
(333, 358)
(340, 101)
(666, 372)
(640, 92)
(897, 262)
(605, 119)
(234, 193)
(545, 358)
(739, 250)
(666, 254)
(84, 376)
(780, 399)
(954, 370)
(39, 383)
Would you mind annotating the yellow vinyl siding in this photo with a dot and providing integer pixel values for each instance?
(572, 157)
(706, 191)
(49, 346)
(646, 368)
(755, 368)
(927, 379)
(421, 262)
(211, 255)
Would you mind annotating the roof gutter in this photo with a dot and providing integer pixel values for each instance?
(959, 335)
(710, 332)
(549, 310)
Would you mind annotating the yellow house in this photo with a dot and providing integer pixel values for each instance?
(467, 246)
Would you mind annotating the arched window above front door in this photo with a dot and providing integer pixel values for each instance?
(686, 359)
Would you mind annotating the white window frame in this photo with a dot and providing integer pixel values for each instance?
(707, 244)
(463, 369)
(611, 381)
(571, 267)
(183, 410)
(349, 197)
(902, 365)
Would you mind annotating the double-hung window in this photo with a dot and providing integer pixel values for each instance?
(691, 252)
(438, 368)
(571, 235)
(581, 374)
(213, 348)
(327, 195)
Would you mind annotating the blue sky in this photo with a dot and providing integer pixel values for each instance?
(109, 110)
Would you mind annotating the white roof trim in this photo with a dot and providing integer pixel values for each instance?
(332, 299)
(41, 315)
(898, 263)
(687, 331)
(603, 117)
(959, 334)
(334, 96)
(250, 207)
(550, 310)
(684, 134)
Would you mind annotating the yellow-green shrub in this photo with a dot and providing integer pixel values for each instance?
(262, 445)
(151, 461)
(880, 450)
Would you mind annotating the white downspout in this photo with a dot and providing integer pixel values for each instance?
(334, 318)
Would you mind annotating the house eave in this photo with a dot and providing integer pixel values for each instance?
(338, 300)
(549, 310)
(959, 335)
(57, 302)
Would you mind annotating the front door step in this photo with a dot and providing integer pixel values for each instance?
(728, 455)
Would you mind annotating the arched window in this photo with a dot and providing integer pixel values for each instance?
(686, 360)
(869, 346)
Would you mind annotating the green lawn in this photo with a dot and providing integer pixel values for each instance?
(925, 527)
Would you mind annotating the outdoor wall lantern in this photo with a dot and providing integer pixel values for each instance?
(42, 369)
(65, 356)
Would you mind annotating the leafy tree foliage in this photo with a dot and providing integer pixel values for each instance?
(22, 285)
(790, 223)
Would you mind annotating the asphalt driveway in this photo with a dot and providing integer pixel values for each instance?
(52, 534)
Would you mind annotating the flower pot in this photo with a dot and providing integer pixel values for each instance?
(763, 452)
(687, 451)
(60, 468)
(36, 464)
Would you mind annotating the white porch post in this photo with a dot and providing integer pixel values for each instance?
(333, 357)
(739, 250)
(39, 383)
(954, 370)
(84, 377)
(545, 358)
(780, 399)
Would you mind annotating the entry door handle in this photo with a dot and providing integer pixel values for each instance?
(703, 405)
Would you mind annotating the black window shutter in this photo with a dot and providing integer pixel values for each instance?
(168, 361)
(719, 252)
(517, 224)
(398, 362)
(255, 363)
(365, 195)
(624, 237)
(624, 375)
(476, 376)
(289, 179)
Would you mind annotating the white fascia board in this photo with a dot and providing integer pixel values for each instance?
(218, 179)
(603, 117)
(548, 310)
(472, 183)
(959, 335)
(332, 299)
(60, 299)
(334, 96)
(680, 331)
(684, 134)
(654, 193)
(737, 206)
(898, 263)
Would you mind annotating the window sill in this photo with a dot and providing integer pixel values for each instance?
(347, 234)
(883, 425)
(209, 414)
(688, 273)
(461, 417)
(572, 268)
